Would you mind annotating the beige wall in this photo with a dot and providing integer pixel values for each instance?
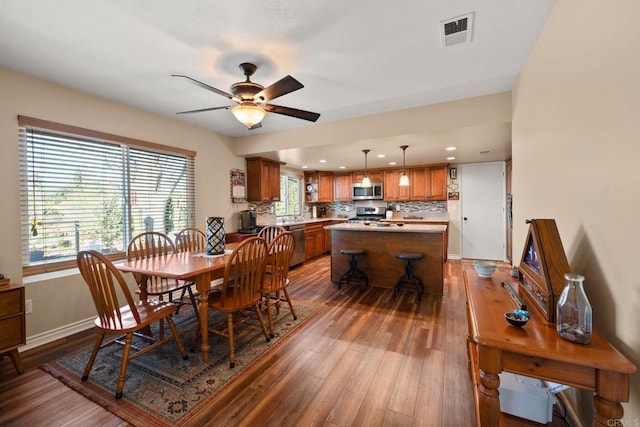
(63, 301)
(576, 146)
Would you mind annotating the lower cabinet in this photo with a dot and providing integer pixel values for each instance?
(314, 240)
(12, 323)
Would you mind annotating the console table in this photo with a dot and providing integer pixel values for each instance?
(535, 350)
(12, 323)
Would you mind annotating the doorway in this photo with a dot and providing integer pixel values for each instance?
(482, 202)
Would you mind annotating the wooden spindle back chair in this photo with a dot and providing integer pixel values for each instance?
(276, 277)
(270, 232)
(124, 315)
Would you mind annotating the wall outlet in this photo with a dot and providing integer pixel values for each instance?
(28, 308)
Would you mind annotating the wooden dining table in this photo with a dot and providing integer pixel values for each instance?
(193, 266)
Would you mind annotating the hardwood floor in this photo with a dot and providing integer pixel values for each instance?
(367, 359)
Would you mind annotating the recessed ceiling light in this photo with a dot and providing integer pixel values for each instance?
(451, 158)
(342, 167)
(393, 163)
(381, 156)
(323, 161)
(305, 167)
(451, 148)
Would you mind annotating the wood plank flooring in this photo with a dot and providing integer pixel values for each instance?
(368, 359)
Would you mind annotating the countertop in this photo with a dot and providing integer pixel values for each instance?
(409, 218)
(304, 221)
(392, 228)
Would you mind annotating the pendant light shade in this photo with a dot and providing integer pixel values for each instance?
(404, 179)
(366, 182)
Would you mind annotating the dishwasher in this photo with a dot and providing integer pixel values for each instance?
(298, 253)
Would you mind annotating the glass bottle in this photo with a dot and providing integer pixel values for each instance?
(573, 312)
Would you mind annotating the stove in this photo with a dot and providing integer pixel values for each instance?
(368, 214)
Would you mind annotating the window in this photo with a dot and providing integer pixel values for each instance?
(290, 190)
(82, 189)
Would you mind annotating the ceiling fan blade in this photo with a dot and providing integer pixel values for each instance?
(205, 86)
(204, 109)
(282, 87)
(256, 126)
(293, 112)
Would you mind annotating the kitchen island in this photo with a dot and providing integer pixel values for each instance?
(382, 241)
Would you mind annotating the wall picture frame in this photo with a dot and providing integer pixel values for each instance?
(453, 173)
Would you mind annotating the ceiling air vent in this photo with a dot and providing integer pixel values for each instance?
(456, 30)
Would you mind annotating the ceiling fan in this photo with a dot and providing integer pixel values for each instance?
(253, 99)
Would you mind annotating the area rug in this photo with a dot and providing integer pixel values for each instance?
(162, 389)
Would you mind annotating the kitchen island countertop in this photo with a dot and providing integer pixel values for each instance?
(388, 227)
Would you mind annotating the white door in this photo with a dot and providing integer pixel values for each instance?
(482, 203)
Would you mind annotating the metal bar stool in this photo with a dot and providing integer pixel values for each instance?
(353, 275)
(408, 278)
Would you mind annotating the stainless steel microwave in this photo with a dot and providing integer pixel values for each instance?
(358, 192)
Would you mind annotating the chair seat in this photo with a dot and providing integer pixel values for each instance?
(352, 251)
(409, 255)
(149, 311)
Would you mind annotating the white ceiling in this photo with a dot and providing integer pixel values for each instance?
(355, 58)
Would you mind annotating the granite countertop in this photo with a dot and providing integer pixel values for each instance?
(409, 218)
(389, 228)
(304, 221)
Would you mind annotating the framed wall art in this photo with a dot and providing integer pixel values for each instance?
(238, 186)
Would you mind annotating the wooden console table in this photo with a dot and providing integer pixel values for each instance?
(12, 323)
(535, 350)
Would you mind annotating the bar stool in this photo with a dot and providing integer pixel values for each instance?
(408, 278)
(353, 275)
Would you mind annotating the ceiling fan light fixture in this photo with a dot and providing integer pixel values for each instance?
(404, 179)
(248, 113)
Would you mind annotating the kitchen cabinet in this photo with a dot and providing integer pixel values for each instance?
(314, 240)
(325, 187)
(428, 183)
(392, 188)
(12, 323)
(263, 180)
(318, 187)
(374, 176)
(342, 187)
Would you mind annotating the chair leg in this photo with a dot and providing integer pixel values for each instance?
(293, 312)
(94, 353)
(194, 303)
(123, 365)
(267, 298)
(232, 350)
(176, 337)
(261, 320)
(194, 340)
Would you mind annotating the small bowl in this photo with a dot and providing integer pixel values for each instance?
(517, 320)
(400, 224)
(485, 268)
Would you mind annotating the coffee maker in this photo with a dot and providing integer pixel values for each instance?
(248, 222)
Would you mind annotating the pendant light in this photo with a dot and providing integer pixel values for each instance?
(404, 179)
(366, 182)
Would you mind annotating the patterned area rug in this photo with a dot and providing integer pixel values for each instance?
(161, 388)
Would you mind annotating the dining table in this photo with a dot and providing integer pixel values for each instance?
(192, 266)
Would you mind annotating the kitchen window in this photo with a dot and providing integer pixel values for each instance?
(83, 189)
(290, 203)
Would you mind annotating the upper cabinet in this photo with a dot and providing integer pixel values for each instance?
(318, 187)
(342, 187)
(392, 189)
(428, 183)
(263, 180)
(374, 176)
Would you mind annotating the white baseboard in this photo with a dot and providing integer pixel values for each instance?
(454, 256)
(58, 333)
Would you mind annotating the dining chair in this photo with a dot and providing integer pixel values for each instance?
(109, 291)
(240, 289)
(276, 278)
(153, 243)
(191, 239)
(270, 232)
